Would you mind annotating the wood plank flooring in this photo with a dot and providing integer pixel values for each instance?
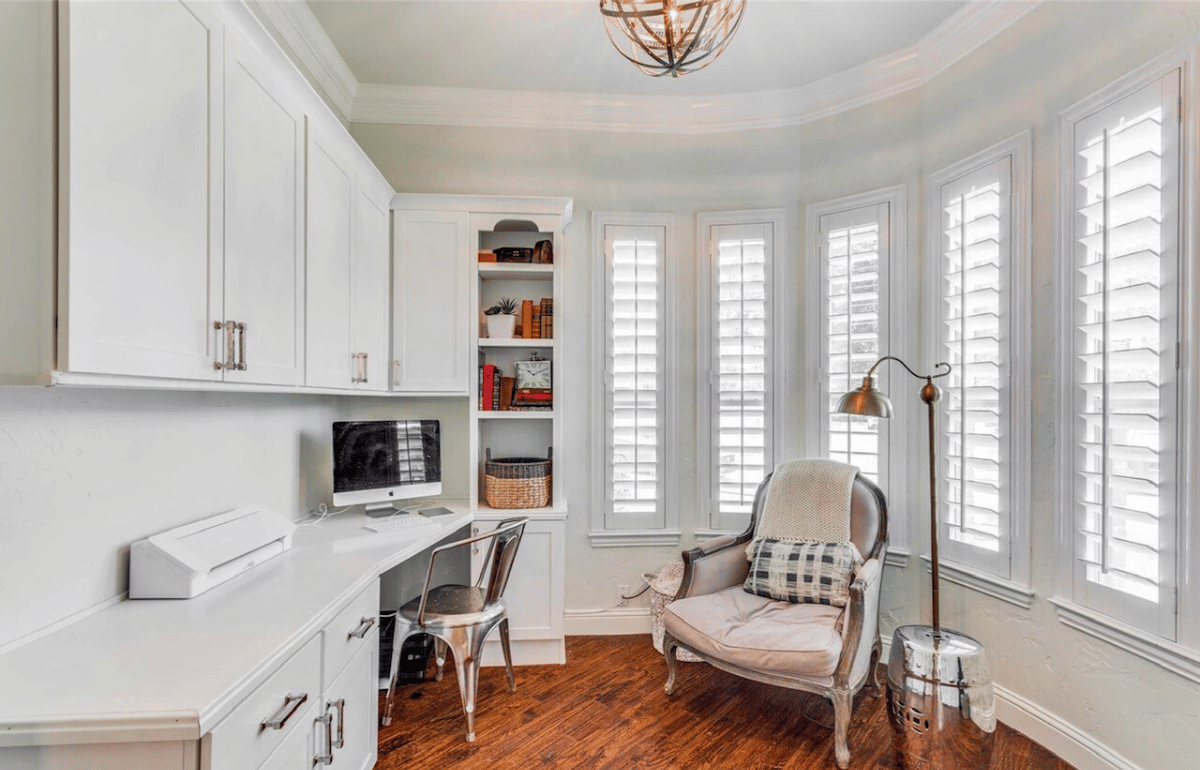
(606, 709)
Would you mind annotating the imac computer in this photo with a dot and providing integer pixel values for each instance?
(376, 463)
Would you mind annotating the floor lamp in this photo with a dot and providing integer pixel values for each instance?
(940, 699)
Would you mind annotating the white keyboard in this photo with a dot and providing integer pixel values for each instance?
(401, 523)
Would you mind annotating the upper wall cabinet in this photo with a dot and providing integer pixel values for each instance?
(431, 290)
(140, 259)
(370, 272)
(264, 221)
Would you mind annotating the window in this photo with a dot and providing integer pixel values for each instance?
(978, 211)
(852, 323)
(737, 361)
(634, 342)
(1120, 381)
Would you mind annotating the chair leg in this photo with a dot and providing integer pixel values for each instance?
(875, 687)
(506, 646)
(401, 632)
(439, 654)
(467, 645)
(669, 647)
(842, 700)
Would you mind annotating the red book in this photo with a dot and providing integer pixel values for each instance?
(485, 393)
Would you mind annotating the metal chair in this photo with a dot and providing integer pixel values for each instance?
(460, 617)
(712, 604)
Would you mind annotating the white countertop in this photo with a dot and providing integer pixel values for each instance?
(170, 669)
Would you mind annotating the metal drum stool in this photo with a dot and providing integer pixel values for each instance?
(940, 700)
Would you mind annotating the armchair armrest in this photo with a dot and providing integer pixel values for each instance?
(716, 564)
(862, 618)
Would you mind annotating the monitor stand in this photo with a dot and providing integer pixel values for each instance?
(381, 510)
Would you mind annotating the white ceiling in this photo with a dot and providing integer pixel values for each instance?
(560, 45)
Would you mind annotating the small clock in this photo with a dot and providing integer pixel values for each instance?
(533, 374)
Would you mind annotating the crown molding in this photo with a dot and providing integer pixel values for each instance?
(294, 23)
(895, 73)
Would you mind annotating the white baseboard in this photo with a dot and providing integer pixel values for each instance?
(528, 652)
(609, 622)
(1050, 731)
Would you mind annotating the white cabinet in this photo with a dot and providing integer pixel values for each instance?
(370, 285)
(140, 202)
(264, 225)
(535, 595)
(431, 303)
(330, 234)
(351, 716)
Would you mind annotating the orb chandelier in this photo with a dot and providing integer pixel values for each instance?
(671, 37)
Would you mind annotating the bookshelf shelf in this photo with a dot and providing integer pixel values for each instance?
(514, 415)
(519, 270)
(516, 342)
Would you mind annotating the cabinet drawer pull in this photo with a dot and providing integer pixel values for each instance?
(291, 705)
(241, 330)
(340, 705)
(363, 628)
(327, 757)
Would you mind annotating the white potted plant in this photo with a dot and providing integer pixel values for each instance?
(501, 323)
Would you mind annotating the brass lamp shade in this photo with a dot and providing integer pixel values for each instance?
(867, 401)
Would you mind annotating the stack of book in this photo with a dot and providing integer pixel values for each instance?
(495, 390)
(533, 399)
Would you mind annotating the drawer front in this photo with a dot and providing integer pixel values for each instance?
(241, 741)
(350, 631)
(300, 746)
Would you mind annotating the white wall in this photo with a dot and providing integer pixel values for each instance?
(1133, 713)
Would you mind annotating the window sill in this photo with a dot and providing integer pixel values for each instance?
(621, 538)
(1169, 655)
(996, 587)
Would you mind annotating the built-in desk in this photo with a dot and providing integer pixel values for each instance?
(164, 683)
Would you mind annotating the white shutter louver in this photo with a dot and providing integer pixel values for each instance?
(635, 392)
(741, 368)
(1125, 320)
(975, 340)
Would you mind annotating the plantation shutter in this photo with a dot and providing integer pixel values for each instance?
(975, 339)
(1126, 254)
(741, 422)
(635, 392)
(854, 266)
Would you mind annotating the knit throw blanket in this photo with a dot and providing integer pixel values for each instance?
(808, 501)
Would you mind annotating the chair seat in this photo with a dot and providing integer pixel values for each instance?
(454, 605)
(758, 633)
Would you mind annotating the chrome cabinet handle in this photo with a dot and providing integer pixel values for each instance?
(340, 705)
(291, 704)
(474, 546)
(364, 366)
(360, 367)
(241, 330)
(363, 628)
(327, 757)
(229, 363)
(395, 371)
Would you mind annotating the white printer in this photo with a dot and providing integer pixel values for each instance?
(187, 561)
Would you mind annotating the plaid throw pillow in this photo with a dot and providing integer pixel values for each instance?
(802, 573)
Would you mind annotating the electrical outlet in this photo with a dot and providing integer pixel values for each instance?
(622, 592)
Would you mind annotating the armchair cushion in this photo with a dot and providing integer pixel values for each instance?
(758, 633)
(812, 573)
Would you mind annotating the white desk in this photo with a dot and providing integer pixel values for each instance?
(170, 670)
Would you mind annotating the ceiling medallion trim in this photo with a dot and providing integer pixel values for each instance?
(952, 40)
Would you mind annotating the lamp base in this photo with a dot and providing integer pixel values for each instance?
(940, 700)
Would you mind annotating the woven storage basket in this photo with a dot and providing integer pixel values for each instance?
(517, 482)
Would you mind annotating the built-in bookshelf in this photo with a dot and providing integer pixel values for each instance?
(499, 421)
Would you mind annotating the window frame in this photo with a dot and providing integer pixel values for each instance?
(1180, 655)
(899, 477)
(1014, 587)
(601, 534)
(708, 522)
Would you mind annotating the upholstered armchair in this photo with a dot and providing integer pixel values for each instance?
(831, 651)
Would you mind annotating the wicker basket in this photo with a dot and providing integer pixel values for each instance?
(517, 482)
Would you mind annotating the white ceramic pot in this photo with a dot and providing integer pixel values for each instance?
(501, 326)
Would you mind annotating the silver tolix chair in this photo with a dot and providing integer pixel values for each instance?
(461, 617)
(799, 646)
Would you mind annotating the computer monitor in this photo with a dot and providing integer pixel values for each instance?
(378, 462)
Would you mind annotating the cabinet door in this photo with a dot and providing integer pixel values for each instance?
(264, 156)
(535, 593)
(330, 222)
(301, 746)
(431, 292)
(141, 230)
(371, 290)
(353, 700)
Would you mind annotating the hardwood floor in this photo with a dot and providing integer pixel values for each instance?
(606, 709)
